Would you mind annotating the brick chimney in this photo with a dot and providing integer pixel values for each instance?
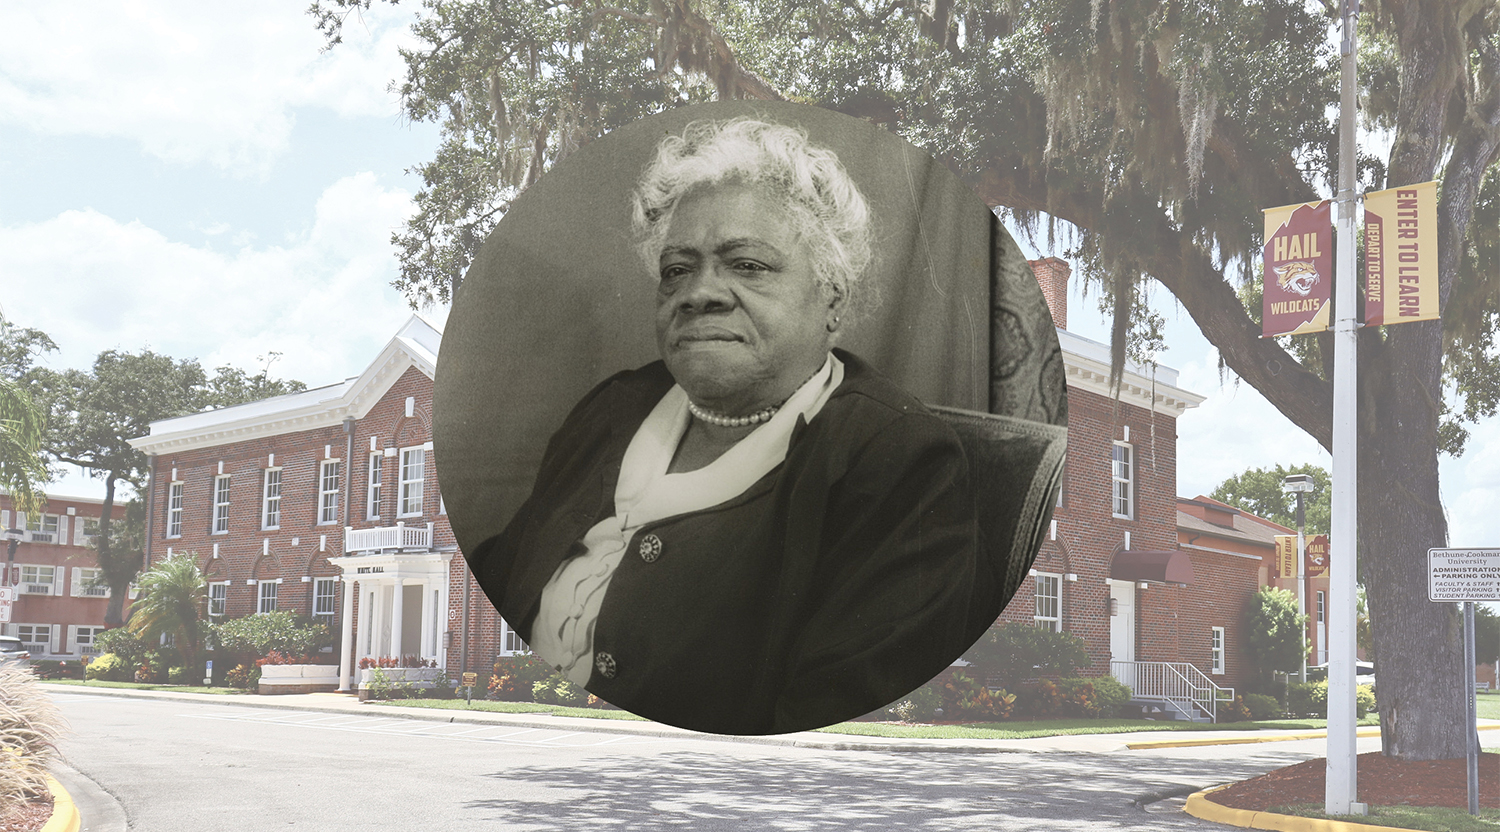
(1052, 273)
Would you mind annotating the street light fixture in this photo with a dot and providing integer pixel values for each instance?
(13, 536)
(1300, 484)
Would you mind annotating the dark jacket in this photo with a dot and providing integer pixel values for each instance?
(835, 584)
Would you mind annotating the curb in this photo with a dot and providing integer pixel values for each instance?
(1199, 806)
(1312, 735)
(64, 814)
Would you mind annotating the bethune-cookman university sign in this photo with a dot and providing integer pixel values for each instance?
(1463, 574)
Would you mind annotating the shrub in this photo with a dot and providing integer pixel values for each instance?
(29, 725)
(108, 667)
(1234, 710)
(557, 690)
(1111, 694)
(277, 657)
(1040, 700)
(243, 676)
(968, 699)
(919, 706)
(278, 631)
(514, 677)
(1364, 700)
(380, 685)
(1275, 635)
(1262, 706)
(122, 643)
(1311, 699)
(177, 675)
(54, 669)
(1012, 653)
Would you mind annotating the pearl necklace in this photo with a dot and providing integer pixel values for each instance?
(723, 421)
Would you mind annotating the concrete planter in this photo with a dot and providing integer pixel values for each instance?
(420, 678)
(298, 678)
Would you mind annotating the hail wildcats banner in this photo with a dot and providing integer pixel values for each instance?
(1401, 263)
(1315, 555)
(1298, 261)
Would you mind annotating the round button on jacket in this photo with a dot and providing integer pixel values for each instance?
(650, 548)
(605, 664)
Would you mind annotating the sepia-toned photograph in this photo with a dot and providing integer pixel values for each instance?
(738, 368)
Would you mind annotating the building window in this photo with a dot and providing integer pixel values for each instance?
(412, 481)
(1320, 606)
(267, 597)
(271, 500)
(324, 592)
(90, 526)
(174, 510)
(42, 528)
(372, 497)
(328, 492)
(1122, 475)
(1048, 601)
(84, 637)
(1216, 650)
(514, 643)
(90, 583)
(35, 638)
(37, 580)
(221, 504)
(218, 593)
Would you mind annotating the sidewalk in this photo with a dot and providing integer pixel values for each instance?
(1077, 744)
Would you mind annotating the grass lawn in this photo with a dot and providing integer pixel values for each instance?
(1487, 705)
(96, 683)
(510, 708)
(1434, 819)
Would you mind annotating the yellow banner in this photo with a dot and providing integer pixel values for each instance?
(1297, 263)
(1286, 556)
(1401, 256)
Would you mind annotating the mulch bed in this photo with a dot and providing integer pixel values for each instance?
(27, 817)
(1382, 781)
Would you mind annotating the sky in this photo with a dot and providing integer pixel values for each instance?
(204, 180)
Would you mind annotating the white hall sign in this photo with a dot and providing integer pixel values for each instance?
(1463, 574)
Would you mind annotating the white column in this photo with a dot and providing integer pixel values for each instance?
(424, 648)
(443, 625)
(396, 616)
(346, 647)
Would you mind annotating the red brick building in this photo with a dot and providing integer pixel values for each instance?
(1112, 569)
(57, 610)
(325, 503)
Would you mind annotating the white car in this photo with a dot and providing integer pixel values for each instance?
(13, 650)
(1364, 672)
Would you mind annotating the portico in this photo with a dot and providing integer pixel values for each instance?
(402, 596)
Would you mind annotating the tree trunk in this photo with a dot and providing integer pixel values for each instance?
(114, 612)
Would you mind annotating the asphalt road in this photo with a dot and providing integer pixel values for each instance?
(188, 767)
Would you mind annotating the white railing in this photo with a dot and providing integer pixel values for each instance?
(1180, 682)
(399, 536)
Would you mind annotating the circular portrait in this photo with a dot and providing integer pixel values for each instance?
(750, 417)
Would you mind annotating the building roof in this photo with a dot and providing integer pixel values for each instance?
(1153, 387)
(415, 345)
(1242, 526)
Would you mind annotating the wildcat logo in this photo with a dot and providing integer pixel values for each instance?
(1298, 277)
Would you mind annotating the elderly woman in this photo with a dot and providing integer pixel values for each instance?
(758, 533)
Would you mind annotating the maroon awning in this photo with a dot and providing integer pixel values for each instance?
(1146, 565)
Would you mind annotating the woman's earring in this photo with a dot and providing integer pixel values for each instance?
(833, 325)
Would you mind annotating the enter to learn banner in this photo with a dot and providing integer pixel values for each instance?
(1401, 256)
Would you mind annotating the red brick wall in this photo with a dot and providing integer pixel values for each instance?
(1052, 273)
(57, 611)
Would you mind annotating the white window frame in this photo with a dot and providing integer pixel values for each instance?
(85, 523)
(1217, 642)
(329, 473)
(221, 504)
(270, 499)
(372, 488)
(410, 506)
(28, 640)
(218, 595)
(25, 586)
(38, 526)
(1047, 612)
(82, 638)
(174, 509)
(1322, 606)
(1122, 480)
(83, 576)
(262, 597)
(325, 599)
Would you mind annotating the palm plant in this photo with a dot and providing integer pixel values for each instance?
(173, 594)
(23, 470)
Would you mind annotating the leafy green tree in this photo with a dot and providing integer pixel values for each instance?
(1258, 491)
(1157, 131)
(23, 466)
(1486, 635)
(173, 593)
(1275, 634)
(94, 415)
(279, 631)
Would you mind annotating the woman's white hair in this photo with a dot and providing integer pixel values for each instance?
(824, 206)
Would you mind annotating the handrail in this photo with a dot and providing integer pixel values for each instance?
(1180, 682)
(399, 536)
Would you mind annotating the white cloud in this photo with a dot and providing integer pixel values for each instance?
(323, 301)
(1471, 489)
(190, 81)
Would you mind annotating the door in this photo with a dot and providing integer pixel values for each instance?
(1122, 630)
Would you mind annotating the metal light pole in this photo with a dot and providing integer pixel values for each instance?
(13, 536)
(1300, 484)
